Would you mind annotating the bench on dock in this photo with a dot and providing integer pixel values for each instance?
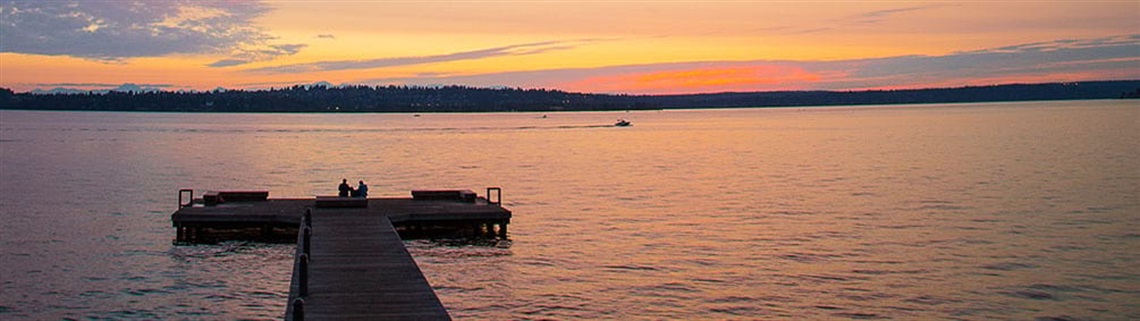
(466, 196)
(244, 196)
(215, 198)
(340, 202)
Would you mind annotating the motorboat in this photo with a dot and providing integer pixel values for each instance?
(622, 123)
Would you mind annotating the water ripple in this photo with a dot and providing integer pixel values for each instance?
(902, 212)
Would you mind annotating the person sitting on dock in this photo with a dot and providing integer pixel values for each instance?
(362, 190)
(344, 188)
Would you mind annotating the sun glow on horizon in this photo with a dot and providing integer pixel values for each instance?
(612, 47)
(712, 79)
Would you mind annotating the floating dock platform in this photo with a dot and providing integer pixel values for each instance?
(252, 215)
(351, 263)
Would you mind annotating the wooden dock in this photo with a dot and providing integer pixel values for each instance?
(351, 263)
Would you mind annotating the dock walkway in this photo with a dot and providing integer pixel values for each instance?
(360, 270)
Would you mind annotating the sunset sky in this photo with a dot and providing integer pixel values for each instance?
(639, 47)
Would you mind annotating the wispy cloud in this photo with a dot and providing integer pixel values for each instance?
(865, 18)
(1062, 44)
(512, 50)
(880, 15)
(115, 31)
(242, 57)
(326, 36)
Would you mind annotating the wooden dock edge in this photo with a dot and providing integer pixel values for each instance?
(295, 282)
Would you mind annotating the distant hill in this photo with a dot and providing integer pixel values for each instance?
(307, 98)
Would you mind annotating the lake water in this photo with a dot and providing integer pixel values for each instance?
(965, 211)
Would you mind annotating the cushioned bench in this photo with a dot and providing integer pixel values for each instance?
(243, 196)
(466, 195)
(215, 198)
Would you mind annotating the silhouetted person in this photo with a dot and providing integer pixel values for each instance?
(344, 188)
(362, 190)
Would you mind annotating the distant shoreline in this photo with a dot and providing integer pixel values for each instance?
(403, 99)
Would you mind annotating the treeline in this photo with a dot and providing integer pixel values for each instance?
(996, 93)
(470, 99)
(326, 99)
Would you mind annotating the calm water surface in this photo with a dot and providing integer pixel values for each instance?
(970, 211)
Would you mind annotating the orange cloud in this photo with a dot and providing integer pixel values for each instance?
(738, 78)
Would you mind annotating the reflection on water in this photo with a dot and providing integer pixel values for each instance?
(974, 211)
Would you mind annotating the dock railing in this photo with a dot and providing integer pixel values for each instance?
(189, 199)
(296, 308)
(498, 195)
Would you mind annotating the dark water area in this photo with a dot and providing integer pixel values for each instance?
(964, 211)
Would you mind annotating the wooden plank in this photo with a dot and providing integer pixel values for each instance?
(340, 202)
